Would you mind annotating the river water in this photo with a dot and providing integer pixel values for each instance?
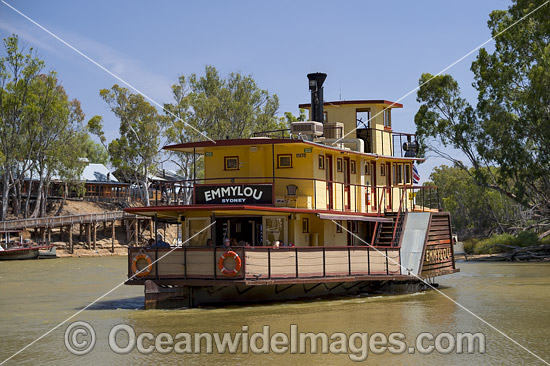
(35, 296)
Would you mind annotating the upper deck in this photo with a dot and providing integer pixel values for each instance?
(311, 166)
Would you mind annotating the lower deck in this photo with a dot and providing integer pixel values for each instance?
(411, 248)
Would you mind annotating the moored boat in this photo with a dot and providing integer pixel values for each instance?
(21, 249)
(328, 207)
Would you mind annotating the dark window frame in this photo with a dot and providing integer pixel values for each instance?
(226, 158)
(279, 156)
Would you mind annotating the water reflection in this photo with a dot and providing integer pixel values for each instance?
(37, 295)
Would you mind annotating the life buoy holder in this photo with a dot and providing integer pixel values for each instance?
(238, 263)
(146, 270)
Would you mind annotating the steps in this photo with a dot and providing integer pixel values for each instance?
(385, 231)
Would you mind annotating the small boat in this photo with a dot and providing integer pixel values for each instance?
(22, 249)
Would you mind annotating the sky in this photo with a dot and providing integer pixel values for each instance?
(369, 49)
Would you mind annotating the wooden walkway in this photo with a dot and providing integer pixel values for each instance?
(58, 221)
(88, 223)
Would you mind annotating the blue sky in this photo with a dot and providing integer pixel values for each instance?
(369, 49)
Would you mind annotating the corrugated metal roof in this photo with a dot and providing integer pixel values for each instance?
(97, 173)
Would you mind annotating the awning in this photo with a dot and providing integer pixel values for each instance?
(353, 218)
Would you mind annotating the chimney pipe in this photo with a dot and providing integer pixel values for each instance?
(316, 81)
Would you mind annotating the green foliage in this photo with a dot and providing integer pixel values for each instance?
(476, 211)
(494, 244)
(95, 153)
(506, 137)
(230, 107)
(40, 127)
(136, 151)
(292, 118)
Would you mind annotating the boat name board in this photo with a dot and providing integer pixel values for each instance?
(231, 194)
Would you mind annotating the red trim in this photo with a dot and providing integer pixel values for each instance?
(240, 208)
(233, 142)
(344, 102)
(22, 249)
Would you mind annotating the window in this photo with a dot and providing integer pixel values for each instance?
(383, 169)
(321, 162)
(362, 116)
(408, 174)
(339, 164)
(387, 117)
(231, 163)
(394, 176)
(367, 168)
(352, 166)
(284, 161)
(399, 177)
(354, 227)
(305, 225)
(339, 226)
(325, 116)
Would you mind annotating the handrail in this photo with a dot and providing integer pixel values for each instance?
(348, 265)
(397, 218)
(55, 221)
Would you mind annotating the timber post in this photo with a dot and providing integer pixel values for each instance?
(95, 233)
(113, 235)
(71, 239)
(88, 236)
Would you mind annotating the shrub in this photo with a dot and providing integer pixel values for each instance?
(527, 239)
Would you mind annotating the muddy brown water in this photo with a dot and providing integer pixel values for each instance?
(37, 295)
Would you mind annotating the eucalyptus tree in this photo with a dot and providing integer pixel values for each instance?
(136, 152)
(217, 107)
(506, 137)
(38, 128)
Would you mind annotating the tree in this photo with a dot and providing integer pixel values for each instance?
(135, 153)
(506, 137)
(38, 123)
(475, 210)
(233, 107)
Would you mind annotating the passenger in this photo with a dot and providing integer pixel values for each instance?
(234, 242)
(226, 243)
(277, 244)
(209, 243)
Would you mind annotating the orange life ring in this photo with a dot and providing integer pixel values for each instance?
(146, 270)
(238, 263)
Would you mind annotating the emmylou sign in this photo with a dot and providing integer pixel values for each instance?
(234, 194)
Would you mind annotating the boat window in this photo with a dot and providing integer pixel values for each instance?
(407, 174)
(284, 161)
(382, 169)
(321, 162)
(339, 164)
(352, 166)
(387, 117)
(367, 168)
(399, 177)
(196, 225)
(231, 163)
(274, 230)
(339, 226)
(305, 225)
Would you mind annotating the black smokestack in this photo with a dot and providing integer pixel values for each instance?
(316, 81)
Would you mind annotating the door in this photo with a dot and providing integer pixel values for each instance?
(347, 198)
(275, 228)
(328, 169)
(388, 186)
(374, 195)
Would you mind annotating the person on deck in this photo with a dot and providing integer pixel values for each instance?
(226, 243)
(209, 243)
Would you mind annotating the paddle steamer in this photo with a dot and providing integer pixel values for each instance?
(327, 207)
